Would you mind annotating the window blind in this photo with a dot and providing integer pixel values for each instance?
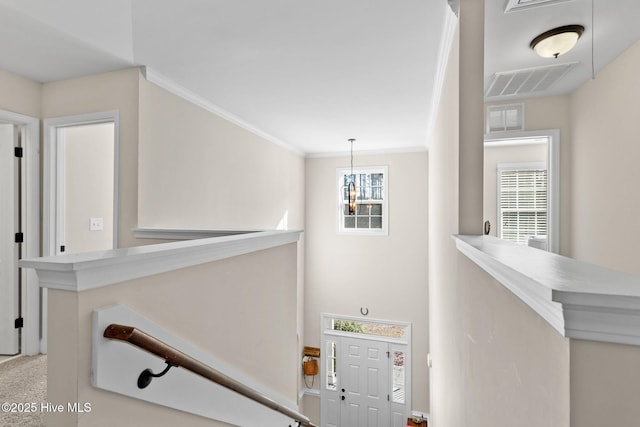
(522, 203)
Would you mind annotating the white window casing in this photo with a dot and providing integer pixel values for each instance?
(371, 216)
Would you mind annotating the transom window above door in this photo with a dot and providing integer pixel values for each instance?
(393, 331)
(370, 215)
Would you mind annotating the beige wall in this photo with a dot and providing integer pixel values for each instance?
(605, 127)
(236, 317)
(19, 94)
(447, 399)
(605, 387)
(455, 174)
(516, 366)
(554, 113)
(471, 125)
(386, 274)
(495, 363)
(501, 154)
(194, 170)
(111, 91)
(89, 157)
(199, 170)
(486, 371)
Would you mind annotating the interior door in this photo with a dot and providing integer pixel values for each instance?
(9, 249)
(85, 211)
(364, 369)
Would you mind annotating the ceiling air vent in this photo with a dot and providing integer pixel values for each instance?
(527, 81)
(515, 5)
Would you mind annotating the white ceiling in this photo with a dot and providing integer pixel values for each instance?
(613, 29)
(307, 73)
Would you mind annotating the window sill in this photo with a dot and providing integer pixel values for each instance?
(579, 300)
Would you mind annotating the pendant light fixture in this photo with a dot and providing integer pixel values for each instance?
(557, 41)
(352, 185)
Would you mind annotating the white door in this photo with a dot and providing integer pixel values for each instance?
(9, 249)
(85, 187)
(365, 374)
(364, 369)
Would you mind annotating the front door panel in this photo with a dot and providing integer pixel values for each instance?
(365, 371)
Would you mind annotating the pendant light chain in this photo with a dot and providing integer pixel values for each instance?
(351, 141)
(352, 185)
(593, 19)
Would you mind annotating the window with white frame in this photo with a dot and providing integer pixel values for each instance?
(505, 117)
(522, 201)
(370, 213)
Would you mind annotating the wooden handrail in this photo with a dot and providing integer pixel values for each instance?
(175, 357)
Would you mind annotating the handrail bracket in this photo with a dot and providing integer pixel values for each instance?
(175, 358)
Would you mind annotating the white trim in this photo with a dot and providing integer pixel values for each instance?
(383, 151)
(90, 270)
(59, 145)
(313, 392)
(164, 82)
(523, 165)
(450, 25)
(512, 142)
(340, 229)
(515, 6)
(30, 343)
(553, 173)
(579, 300)
(487, 254)
(10, 358)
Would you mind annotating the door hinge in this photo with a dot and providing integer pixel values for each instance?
(62, 248)
(388, 399)
(19, 323)
(18, 151)
(19, 237)
(388, 355)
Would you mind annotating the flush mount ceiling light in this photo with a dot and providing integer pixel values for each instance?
(558, 41)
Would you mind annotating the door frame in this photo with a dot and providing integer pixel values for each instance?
(395, 344)
(553, 174)
(30, 219)
(51, 171)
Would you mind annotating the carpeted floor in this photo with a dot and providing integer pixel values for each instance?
(23, 387)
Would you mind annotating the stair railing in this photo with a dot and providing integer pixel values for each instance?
(176, 358)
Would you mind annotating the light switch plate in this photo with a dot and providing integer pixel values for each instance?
(96, 224)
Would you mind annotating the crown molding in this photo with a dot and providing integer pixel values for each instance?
(166, 83)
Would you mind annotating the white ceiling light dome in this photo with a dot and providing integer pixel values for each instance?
(557, 41)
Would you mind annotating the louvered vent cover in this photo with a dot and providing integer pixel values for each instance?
(514, 5)
(527, 81)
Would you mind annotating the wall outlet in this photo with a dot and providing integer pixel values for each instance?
(96, 224)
